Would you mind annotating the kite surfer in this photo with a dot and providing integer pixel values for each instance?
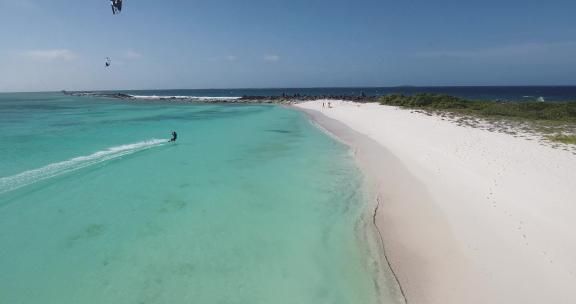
(174, 136)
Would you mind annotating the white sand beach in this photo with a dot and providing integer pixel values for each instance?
(467, 215)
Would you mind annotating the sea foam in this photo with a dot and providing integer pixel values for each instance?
(158, 97)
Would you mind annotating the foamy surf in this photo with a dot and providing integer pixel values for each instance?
(27, 178)
(201, 98)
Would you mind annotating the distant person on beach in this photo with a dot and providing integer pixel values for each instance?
(174, 136)
(323, 104)
(330, 105)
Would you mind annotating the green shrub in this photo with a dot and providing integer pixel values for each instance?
(565, 112)
(567, 139)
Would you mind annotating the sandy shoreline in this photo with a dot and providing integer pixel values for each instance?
(467, 216)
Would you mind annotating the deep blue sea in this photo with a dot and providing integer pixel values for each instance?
(503, 93)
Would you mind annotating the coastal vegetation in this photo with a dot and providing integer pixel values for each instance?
(557, 120)
(566, 139)
(549, 111)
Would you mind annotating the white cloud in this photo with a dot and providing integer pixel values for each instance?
(271, 58)
(51, 55)
(132, 55)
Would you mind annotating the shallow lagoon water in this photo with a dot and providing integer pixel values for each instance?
(253, 204)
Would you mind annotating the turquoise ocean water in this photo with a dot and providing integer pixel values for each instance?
(253, 204)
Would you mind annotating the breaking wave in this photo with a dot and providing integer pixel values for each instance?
(157, 97)
(23, 179)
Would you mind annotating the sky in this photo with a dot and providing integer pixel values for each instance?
(176, 44)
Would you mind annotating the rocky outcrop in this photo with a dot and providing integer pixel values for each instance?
(283, 99)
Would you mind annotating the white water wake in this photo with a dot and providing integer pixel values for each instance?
(23, 179)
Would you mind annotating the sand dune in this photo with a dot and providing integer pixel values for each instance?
(467, 215)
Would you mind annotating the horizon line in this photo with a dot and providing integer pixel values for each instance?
(295, 88)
